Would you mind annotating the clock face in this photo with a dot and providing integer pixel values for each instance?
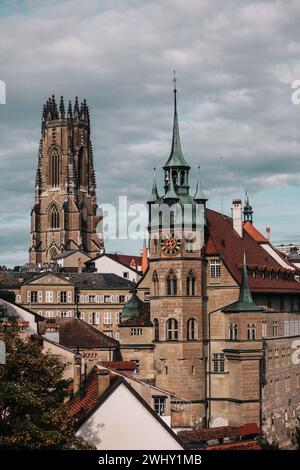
(170, 244)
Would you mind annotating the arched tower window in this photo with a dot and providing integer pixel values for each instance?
(191, 329)
(54, 217)
(54, 169)
(155, 284)
(82, 168)
(171, 283)
(156, 329)
(190, 283)
(53, 252)
(172, 330)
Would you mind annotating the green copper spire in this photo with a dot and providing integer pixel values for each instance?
(176, 157)
(199, 195)
(245, 302)
(132, 307)
(154, 194)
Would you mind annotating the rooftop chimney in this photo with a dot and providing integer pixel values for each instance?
(237, 216)
(268, 230)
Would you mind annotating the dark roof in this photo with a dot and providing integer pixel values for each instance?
(13, 279)
(95, 281)
(119, 365)
(75, 333)
(224, 242)
(65, 254)
(81, 408)
(99, 281)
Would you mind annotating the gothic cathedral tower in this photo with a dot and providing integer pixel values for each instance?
(64, 216)
(176, 231)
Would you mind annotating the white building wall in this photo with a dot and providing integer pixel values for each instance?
(107, 265)
(123, 423)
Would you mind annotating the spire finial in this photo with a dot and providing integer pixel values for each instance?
(199, 194)
(174, 81)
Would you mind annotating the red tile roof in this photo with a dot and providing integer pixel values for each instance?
(79, 405)
(119, 365)
(244, 445)
(127, 260)
(206, 434)
(254, 233)
(226, 243)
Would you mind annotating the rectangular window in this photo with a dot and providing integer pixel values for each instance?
(218, 362)
(136, 331)
(137, 366)
(232, 331)
(251, 331)
(94, 318)
(92, 299)
(215, 268)
(118, 317)
(121, 298)
(264, 326)
(107, 318)
(49, 296)
(63, 297)
(33, 296)
(18, 299)
(107, 298)
(275, 329)
(126, 275)
(270, 359)
(159, 405)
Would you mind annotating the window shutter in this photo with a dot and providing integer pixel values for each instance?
(90, 318)
(101, 299)
(69, 296)
(97, 319)
(117, 298)
(40, 296)
(126, 298)
(28, 296)
(18, 299)
(58, 296)
(87, 299)
(82, 299)
(97, 298)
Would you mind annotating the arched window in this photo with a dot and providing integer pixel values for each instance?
(171, 283)
(54, 169)
(189, 243)
(191, 329)
(155, 284)
(82, 168)
(156, 329)
(54, 217)
(172, 219)
(53, 253)
(190, 283)
(172, 330)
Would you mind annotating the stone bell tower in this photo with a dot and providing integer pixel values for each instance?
(64, 216)
(176, 232)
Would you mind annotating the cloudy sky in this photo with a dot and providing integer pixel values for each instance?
(235, 63)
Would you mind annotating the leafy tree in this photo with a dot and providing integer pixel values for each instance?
(33, 410)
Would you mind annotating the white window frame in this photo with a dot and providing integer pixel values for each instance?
(107, 318)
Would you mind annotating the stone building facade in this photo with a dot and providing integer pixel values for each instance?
(224, 303)
(64, 216)
(96, 298)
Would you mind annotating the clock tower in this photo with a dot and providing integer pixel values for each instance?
(176, 235)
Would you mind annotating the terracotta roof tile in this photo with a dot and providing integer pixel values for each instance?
(224, 241)
(119, 365)
(244, 445)
(206, 434)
